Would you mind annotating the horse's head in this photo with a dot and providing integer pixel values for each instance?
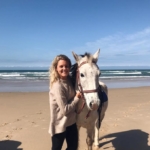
(87, 79)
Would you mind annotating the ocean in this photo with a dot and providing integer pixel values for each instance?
(38, 80)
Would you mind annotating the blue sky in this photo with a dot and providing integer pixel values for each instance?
(33, 32)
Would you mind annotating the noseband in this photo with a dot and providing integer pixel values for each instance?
(83, 91)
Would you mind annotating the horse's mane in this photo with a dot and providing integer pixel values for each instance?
(74, 67)
(88, 55)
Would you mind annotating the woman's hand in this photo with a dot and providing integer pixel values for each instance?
(79, 95)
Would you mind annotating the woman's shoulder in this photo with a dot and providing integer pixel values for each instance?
(56, 85)
(62, 84)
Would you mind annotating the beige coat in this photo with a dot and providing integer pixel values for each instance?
(62, 106)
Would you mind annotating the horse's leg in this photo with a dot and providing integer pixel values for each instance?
(96, 135)
(98, 125)
(89, 139)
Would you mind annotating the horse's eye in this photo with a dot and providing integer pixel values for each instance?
(82, 75)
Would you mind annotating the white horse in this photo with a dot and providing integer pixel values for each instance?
(87, 81)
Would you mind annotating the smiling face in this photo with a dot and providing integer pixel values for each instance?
(63, 69)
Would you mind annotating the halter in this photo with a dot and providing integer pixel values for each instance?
(83, 91)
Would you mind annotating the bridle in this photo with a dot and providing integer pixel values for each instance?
(83, 91)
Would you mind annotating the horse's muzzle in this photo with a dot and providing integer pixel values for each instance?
(93, 106)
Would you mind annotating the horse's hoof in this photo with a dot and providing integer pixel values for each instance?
(89, 147)
(96, 147)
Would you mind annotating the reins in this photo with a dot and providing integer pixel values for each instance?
(83, 91)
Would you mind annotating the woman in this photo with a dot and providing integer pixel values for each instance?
(63, 101)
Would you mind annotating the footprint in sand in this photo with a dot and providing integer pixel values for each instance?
(36, 125)
(4, 124)
(18, 119)
(101, 130)
(24, 116)
(39, 112)
(40, 118)
(117, 119)
(115, 125)
(8, 137)
(33, 122)
(125, 116)
(17, 128)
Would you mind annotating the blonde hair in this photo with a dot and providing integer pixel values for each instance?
(53, 75)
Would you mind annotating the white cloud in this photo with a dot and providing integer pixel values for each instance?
(119, 49)
(122, 49)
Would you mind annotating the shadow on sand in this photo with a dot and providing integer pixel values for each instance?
(127, 140)
(10, 145)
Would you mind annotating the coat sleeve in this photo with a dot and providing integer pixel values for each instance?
(62, 101)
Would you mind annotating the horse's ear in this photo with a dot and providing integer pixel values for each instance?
(95, 56)
(76, 57)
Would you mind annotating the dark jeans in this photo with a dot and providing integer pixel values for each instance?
(71, 136)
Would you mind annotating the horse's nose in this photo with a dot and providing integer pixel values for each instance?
(93, 106)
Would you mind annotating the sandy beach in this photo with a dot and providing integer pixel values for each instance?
(24, 121)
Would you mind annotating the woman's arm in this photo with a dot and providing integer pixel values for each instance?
(62, 100)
